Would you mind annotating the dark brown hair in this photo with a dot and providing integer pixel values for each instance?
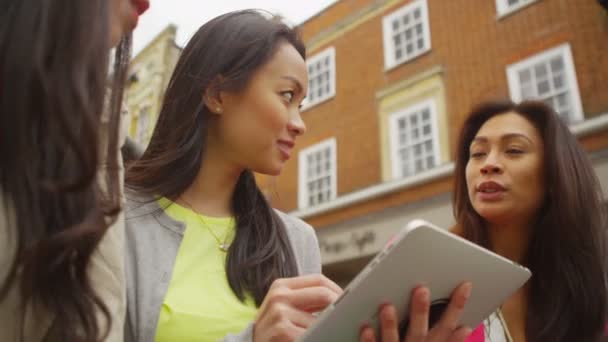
(233, 46)
(567, 298)
(53, 80)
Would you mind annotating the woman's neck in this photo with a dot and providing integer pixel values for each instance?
(511, 240)
(211, 192)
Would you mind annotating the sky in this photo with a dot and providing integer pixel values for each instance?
(189, 15)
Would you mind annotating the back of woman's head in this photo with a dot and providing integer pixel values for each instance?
(53, 79)
(223, 55)
(566, 254)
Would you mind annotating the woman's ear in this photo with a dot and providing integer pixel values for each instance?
(212, 97)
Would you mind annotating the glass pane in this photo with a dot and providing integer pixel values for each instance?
(540, 71)
(405, 154)
(395, 25)
(543, 88)
(562, 100)
(409, 49)
(419, 29)
(414, 119)
(420, 44)
(406, 19)
(527, 91)
(558, 81)
(417, 150)
(415, 133)
(397, 39)
(525, 76)
(398, 54)
(417, 13)
(426, 114)
(426, 130)
(428, 146)
(419, 166)
(408, 34)
(430, 162)
(557, 64)
(402, 139)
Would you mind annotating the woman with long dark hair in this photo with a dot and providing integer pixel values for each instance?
(61, 238)
(526, 189)
(207, 256)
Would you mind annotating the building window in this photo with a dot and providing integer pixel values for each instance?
(143, 123)
(504, 7)
(414, 139)
(551, 78)
(406, 33)
(317, 174)
(321, 77)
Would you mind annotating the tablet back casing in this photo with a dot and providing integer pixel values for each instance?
(421, 254)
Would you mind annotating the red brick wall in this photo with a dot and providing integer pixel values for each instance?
(473, 47)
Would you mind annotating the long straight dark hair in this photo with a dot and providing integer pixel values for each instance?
(233, 46)
(567, 299)
(53, 80)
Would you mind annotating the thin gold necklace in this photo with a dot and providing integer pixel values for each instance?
(223, 246)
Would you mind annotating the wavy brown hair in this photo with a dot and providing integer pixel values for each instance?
(567, 252)
(53, 80)
(233, 46)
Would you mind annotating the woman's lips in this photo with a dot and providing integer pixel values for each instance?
(141, 6)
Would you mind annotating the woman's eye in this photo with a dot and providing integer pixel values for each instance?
(514, 151)
(477, 154)
(287, 95)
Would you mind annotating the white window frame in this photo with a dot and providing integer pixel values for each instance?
(394, 135)
(303, 167)
(565, 52)
(331, 53)
(387, 32)
(503, 8)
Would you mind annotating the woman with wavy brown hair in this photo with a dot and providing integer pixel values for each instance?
(61, 236)
(525, 188)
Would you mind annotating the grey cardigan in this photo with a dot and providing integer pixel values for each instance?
(152, 242)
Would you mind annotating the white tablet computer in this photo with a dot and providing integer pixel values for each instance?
(420, 254)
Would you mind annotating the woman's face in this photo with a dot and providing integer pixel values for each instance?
(257, 128)
(124, 15)
(505, 171)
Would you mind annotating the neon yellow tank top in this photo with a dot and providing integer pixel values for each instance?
(199, 304)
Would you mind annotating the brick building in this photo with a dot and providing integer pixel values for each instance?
(391, 82)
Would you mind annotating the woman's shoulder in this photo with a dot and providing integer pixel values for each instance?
(138, 204)
(296, 225)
